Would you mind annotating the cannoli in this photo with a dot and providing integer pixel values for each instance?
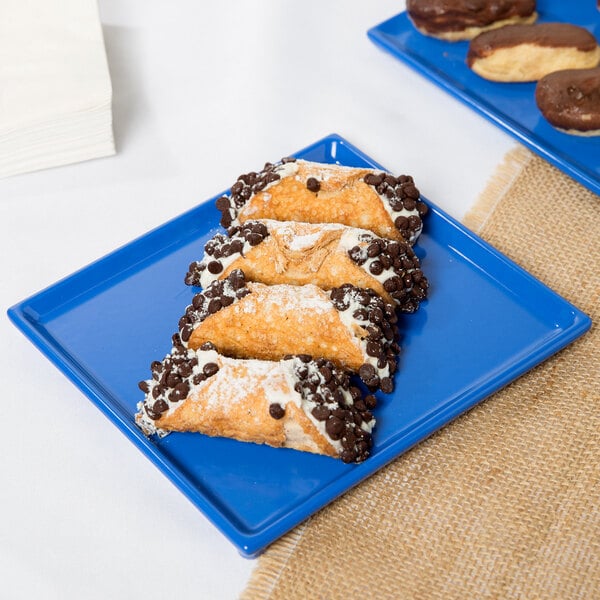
(327, 255)
(454, 20)
(529, 52)
(570, 100)
(298, 190)
(298, 402)
(352, 327)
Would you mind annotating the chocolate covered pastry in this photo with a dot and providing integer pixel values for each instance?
(570, 100)
(351, 327)
(298, 402)
(326, 255)
(522, 53)
(298, 190)
(455, 20)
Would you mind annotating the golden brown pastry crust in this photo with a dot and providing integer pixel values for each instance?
(351, 327)
(274, 321)
(235, 402)
(310, 192)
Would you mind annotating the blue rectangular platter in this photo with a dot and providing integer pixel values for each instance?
(485, 323)
(511, 106)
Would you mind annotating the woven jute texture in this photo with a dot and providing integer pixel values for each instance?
(504, 502)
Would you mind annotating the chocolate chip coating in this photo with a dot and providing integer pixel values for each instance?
(336, 405)
(379, 319)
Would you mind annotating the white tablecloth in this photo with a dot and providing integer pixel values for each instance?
(201, 93)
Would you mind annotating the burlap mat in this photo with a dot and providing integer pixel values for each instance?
(505, 501)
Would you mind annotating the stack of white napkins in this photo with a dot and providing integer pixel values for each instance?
(55, 90)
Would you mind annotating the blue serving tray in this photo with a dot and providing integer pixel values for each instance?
(511, 106)
(486, 322)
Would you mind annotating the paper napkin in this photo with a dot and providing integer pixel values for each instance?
(55, 89)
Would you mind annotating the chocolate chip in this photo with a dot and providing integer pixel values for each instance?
(237, 279)
(160, 406)
(313, 184)
(373, 250)
(334, 427)
(321, 413)
(237, 187)
(326, 373)
(373, 179)
(180, 392)
(370, 401)
(387, 385)
(340, 413)
(362, 448)
(185, 370)
(376, 315)
(360, 314)
(390, 285)
(215, 267)
(254, 239)
(276, 410)
(367, 372)
(363, 297)
(338, 299)
(410, 204)
(411, 191)
(376, 267)
(198, 378)
(171, 379)
(235, 247)
(210, 369)
(215, 305)
(373, 349)
(226, 301)
(349, 455)
(401, 222)
(349, 440)
(226, 218)
(223, 202)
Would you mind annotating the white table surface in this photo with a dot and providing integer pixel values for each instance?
(203, 91)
